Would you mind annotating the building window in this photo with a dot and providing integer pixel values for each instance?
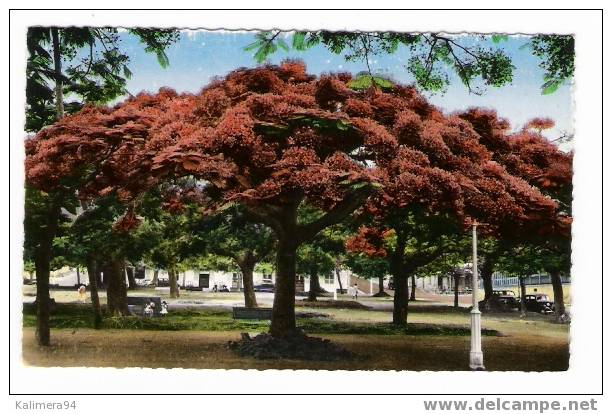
(329, 279)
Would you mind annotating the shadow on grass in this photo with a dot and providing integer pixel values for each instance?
(75, 316)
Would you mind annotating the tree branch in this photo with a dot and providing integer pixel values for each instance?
(345, 207)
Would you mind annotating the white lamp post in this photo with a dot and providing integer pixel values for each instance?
(476, 357)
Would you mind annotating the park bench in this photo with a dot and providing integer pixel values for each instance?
(252, 313)
(137, 304)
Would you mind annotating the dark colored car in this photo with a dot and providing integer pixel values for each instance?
(264, 287)
(539, 302)
(501, 301)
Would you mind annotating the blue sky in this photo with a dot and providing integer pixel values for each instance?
(199, 56)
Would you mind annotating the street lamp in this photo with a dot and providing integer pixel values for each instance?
(476, 358)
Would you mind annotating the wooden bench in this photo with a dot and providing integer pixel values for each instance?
(252, 313)
(137, 304)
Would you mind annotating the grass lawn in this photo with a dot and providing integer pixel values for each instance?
(437, 339)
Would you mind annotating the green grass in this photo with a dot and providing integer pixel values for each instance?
(365, 81)
(78, 316)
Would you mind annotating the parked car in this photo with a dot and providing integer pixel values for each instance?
(539, 302)
(501, 301)
(264, 287)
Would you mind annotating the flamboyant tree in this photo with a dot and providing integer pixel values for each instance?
(275, 138)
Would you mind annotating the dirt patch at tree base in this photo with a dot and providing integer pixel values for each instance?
(297, 345)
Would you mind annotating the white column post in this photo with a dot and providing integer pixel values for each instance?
(371, 287)
(476, 357)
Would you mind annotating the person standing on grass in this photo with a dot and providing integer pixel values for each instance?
(355, 291)
(82, 290)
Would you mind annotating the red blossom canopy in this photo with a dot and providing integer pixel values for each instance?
(275, 136)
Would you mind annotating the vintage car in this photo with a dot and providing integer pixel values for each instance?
(264, 287)
(501, 301)
(539, 302)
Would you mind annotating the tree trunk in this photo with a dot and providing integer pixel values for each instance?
(57, 60)
(155, 277)
(400, 300)
(78, 276)
(129, 270)
(523, 293)
(400, 281)
(337, 270)
(174, 291)
(116, 292)
(486, 273)
(412, 287)
(283, 309)
(93, 273)
(315, 287)
(381, 285)
(456, 280)
(247, 268)
(557, 284)
(42, 263)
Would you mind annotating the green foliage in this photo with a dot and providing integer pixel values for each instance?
(364, 81)
(367, 267)
(497, 38)
(433, 58)
(95, 68)
(556, 54)
(433, 55)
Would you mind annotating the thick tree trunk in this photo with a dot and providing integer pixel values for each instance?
(315, 287)
(93, 273)
(57, 61)
(400, 300)
(557, 284)
(456, 280)
(381, 284)
(116, 292)
(129, 270)
(523, 293)
(42, 263)
(155, 277)
(174, 291)
(78, 272)
(400, 279)
(283, 309)
(247, 268)
(412, 288)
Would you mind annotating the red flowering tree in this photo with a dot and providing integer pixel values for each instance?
(455, 170)
(275, 138)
